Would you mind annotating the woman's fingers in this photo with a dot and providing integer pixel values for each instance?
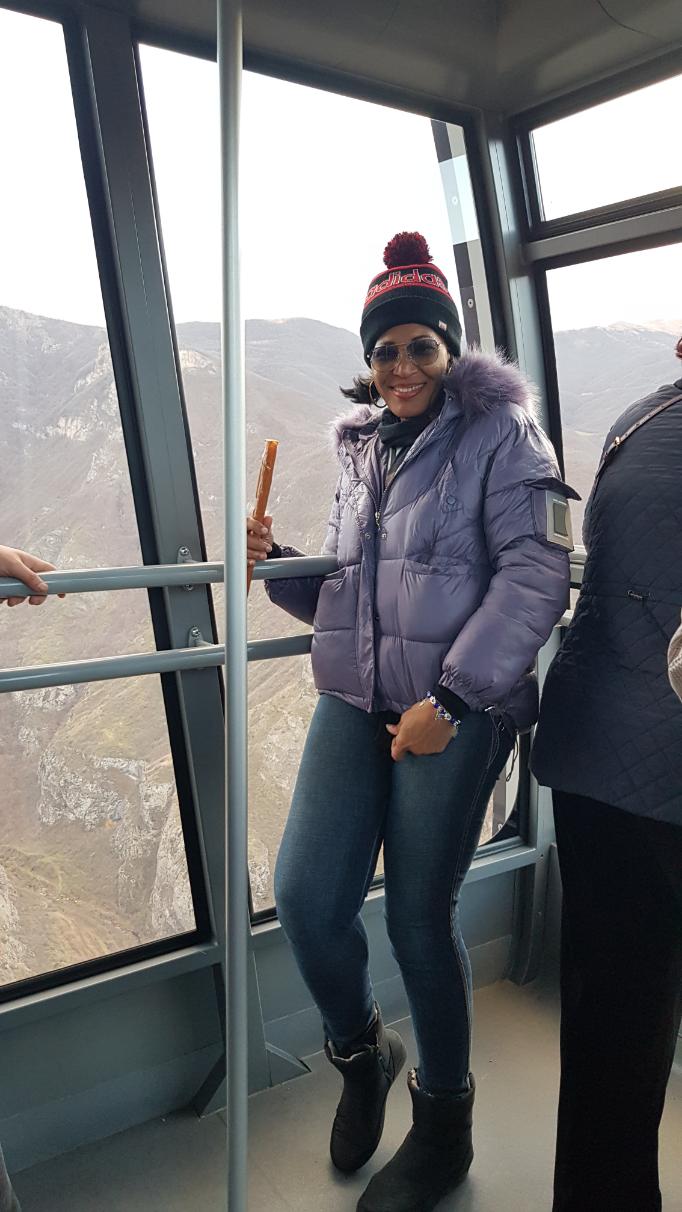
(258, 539)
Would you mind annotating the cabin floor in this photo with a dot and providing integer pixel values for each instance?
(178, 1164)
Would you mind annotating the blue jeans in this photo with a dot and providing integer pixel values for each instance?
(428, 811)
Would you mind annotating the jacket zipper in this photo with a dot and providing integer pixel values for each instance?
(380, 504)
(412, 453)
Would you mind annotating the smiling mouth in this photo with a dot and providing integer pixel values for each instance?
(408, 392)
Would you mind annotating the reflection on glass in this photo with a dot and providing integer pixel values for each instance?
(91, 854)
(610, 152)
(615, 321)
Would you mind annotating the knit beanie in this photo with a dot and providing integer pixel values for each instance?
(410, 290)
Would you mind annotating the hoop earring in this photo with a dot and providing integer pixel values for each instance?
(373, 399)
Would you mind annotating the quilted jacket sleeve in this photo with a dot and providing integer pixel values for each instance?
(529, 589)
(298, 595)
(675, 662)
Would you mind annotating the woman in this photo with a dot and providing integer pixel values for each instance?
(449, 582)
(609, 743)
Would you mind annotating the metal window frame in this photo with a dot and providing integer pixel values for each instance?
(474, 131)
(86, 125)
(576, 256)
(522, 125)
(535, 246)
(632, 233)
(101, 62)
(431, 108)
(101, 57)
(629, 225)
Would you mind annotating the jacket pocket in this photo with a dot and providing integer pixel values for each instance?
(551, 511)
(338, 600)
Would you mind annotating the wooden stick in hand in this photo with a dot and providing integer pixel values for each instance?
(267, 467)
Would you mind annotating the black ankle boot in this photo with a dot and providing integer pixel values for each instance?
(368, 1072)
(432, 1160)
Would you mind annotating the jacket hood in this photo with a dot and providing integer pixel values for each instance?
(479, 383)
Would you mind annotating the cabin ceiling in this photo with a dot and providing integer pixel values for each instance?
(502, 55)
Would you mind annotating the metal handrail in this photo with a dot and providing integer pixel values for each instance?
(230, 52)
(174, 576)
(171, 660)
(164, 576)
(202, 654)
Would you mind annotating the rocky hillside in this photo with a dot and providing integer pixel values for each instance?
(601, 371)
(91, 854)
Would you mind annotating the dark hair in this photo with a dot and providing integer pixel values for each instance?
(359, 393)
(678, 349)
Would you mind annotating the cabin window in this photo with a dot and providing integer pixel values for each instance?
(624, 148)
(326, 180)
(615, 323)
(92, 860)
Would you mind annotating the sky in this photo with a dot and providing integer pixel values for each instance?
(325, 182)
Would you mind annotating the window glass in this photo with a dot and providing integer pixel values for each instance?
(615, 322)
(89, 803)
(610, 152)
(92, 860)
(317, 208)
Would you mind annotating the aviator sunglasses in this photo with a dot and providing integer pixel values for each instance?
(422, 351)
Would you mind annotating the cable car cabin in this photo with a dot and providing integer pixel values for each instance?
(185, 251)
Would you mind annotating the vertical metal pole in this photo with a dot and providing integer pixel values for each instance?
(234, 458)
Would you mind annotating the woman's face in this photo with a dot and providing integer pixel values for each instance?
(406, 387)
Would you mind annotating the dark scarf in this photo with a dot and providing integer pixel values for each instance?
(398, 436)
(396, 433)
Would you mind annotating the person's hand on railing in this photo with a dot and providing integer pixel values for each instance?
(259, 540)
(25, 567)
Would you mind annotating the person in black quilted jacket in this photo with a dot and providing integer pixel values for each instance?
(675, 662)
(26, 568)
(609, 744)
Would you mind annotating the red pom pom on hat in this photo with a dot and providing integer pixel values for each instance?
(407, 248)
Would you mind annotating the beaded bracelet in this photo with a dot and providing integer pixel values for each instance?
(442, 714)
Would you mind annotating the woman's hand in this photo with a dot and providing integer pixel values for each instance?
(419, 732)
(25, 567)
(259, 540)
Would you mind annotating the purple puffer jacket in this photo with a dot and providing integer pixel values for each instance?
(448, 575)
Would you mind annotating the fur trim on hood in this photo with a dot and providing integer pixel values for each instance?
(479, 382)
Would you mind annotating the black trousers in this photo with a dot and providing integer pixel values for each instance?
(621, 999)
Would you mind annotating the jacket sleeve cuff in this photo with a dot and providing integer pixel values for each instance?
(451, 701)
(276, 553)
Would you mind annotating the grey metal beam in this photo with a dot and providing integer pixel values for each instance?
(104, 669)
(655, 227)
(61, 999)
(139, 664)
(230, 56)
(304, 566)
(267, 650)
(102, 580)
(154, 420)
